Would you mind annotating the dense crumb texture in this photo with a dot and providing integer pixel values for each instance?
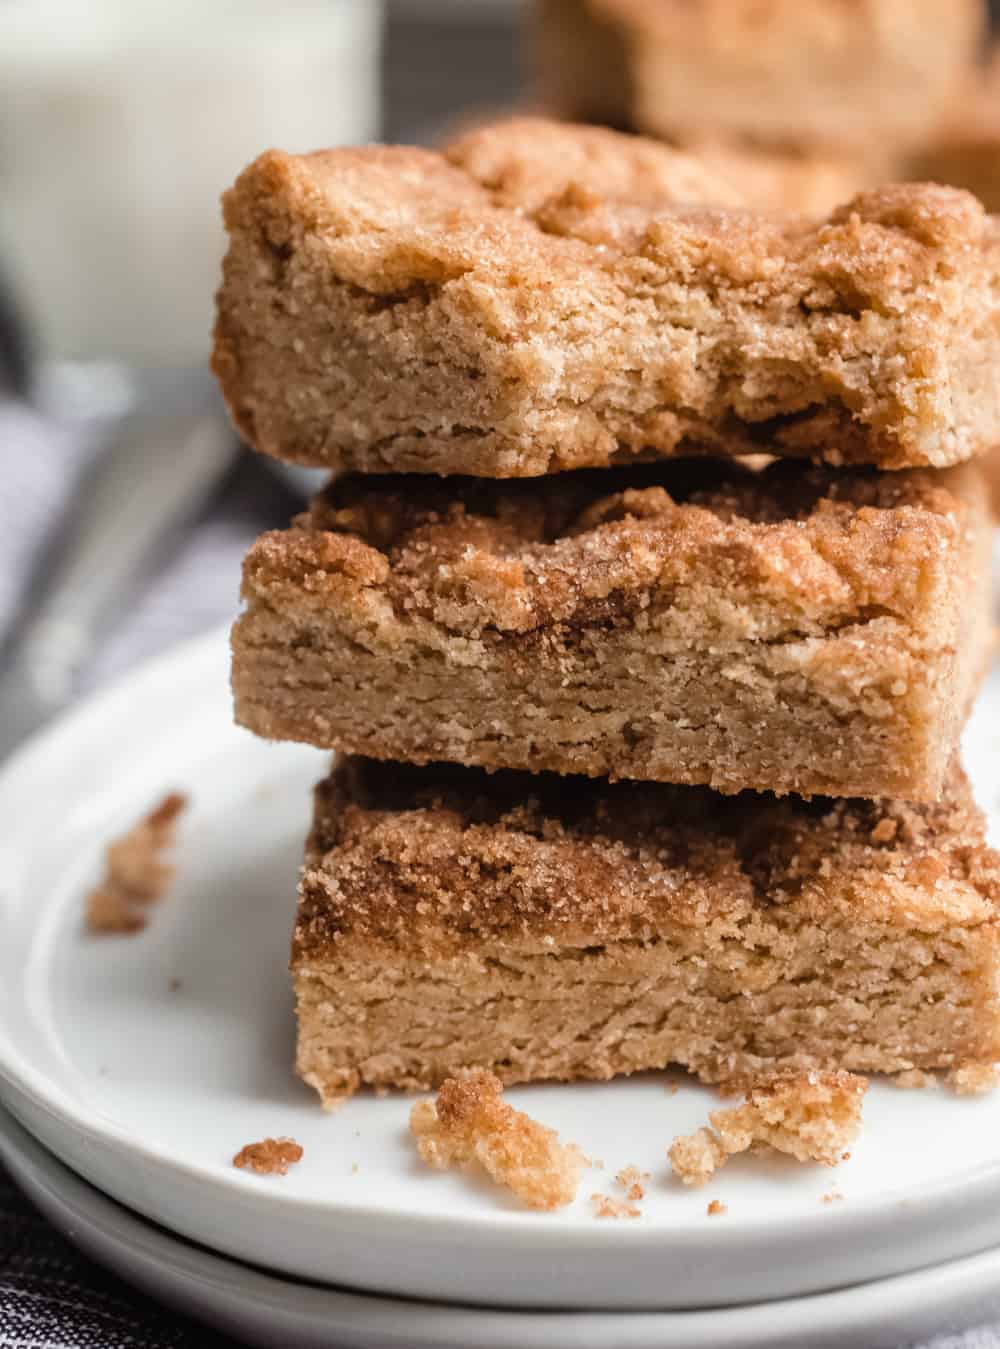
(470, 1124)
(270, 1157)
(546, 297)
(780, 73)
(135, 872)
(552, 928)
(809, 1116)
(794, 629)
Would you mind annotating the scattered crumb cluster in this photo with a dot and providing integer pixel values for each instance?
(811, 1116)
(270, 1157)
(135, 874)
(633, 1182)
(470, 1124)
(607, 1206)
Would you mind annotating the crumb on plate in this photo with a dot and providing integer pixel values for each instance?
(270, 1157)
(605, 1206)
(717, 1209)
(135, 874)
(471, 1124)
(973, 1079)
(630, 1179)
(809, 1115)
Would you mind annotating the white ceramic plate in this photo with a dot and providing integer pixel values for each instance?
(262, 1309)
(148, 1091)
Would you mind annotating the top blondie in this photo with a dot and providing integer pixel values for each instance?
(542, 297)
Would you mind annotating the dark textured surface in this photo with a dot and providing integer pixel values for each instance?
(51, 1297)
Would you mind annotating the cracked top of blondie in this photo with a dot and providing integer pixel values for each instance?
(792, 548)
(417, 857)
(503, 195)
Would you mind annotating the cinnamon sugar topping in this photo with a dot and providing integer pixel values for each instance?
(605, 1206)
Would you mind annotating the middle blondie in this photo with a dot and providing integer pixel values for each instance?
(792, 630)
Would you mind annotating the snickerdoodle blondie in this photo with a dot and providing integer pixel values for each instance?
(545, 927)
(545, 297)
(790, 629)
(802, 74)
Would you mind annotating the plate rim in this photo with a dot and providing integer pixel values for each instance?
(897, 1211)
(42, 1177)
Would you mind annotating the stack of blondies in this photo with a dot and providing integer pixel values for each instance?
(644, 609)
(800, 101)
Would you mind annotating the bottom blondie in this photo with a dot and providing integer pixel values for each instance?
(547, 927)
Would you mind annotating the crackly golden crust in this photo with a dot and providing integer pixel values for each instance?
(793, 629)
(597, 544)
(779, 73)
(546, 297)
(426, 858)
(542, 927)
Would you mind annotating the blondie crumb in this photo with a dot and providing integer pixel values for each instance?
(695, 1157)
(270, 1157)
(832, 1196)
(811, 1116)
(135, 874)
(717, 1209)
(630, 1179)
(973, 1079)
(607, 1207)
(470, 1123)
(915, 1079)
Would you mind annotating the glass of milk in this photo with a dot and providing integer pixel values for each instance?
(121, 123)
